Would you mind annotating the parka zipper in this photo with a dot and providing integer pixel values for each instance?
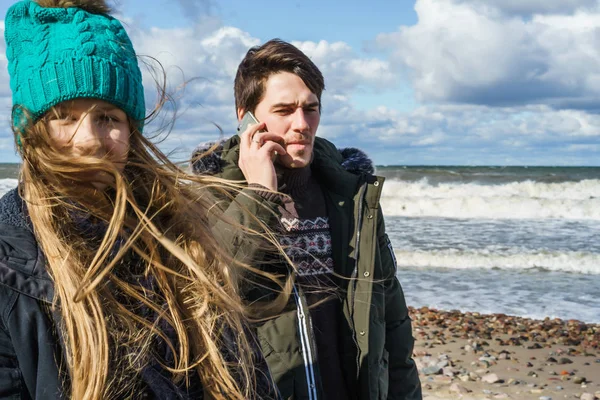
(305, 342)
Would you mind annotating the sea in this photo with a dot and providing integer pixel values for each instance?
(514, 240)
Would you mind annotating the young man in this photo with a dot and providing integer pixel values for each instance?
(347, 333)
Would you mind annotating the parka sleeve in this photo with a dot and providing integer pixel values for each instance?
(28, 363)
(404, 383)
(251, 213)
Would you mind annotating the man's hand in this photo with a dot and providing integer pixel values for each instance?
(257, 152)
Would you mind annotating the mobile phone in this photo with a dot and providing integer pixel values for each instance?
(250, 119)
(247, 119)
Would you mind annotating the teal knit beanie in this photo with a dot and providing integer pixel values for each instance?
(59, 54)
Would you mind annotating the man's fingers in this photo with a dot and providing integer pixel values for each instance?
(264, 137)
(249, 134)
(271, 147)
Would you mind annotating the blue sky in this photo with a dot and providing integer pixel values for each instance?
(462, 82)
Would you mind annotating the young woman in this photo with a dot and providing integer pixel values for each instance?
(112, 280)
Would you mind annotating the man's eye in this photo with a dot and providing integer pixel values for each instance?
(283, 111)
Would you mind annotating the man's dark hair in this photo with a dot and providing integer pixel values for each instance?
(263, 61)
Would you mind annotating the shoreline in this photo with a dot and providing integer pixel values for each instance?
(468, 355)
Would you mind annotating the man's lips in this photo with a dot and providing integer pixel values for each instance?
(298, 143)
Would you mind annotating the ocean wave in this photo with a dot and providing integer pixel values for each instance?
(516, 200)
(573, 262)
(6, 185)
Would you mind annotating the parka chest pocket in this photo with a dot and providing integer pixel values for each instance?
(280, 345)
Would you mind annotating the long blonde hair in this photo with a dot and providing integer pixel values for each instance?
(151, 247)
(160, 217)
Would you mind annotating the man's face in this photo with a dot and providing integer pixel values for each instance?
(290, 110)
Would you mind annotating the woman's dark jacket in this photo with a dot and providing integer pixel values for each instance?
(30, 349)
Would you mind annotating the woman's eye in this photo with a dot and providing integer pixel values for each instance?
(108, 119)
(66, 119)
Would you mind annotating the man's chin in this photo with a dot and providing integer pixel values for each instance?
(296, 162)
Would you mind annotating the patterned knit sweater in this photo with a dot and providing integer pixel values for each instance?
(307, 242)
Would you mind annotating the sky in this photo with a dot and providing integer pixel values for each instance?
(425, 82)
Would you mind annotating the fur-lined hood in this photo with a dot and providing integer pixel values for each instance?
(351, 159)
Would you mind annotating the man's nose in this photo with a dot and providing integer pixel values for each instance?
(300, 123)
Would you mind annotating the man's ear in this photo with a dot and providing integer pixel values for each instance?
(240, 113)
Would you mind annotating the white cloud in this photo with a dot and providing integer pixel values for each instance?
(460, 51)
(344, 71)
(528, 7)
(452, 61)
(469, 134)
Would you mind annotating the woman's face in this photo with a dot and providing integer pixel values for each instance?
(91, 127)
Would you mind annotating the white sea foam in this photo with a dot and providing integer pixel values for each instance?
(519, 200)
(500, 291)
(578, 262)
(6, 185)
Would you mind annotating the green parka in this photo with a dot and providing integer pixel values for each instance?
(375, 337)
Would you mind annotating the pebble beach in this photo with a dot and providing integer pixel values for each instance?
(476, 356)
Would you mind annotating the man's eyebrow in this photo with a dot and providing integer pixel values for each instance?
(284, 105)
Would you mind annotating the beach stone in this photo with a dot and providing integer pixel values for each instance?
(455, 387)
(545, 398)
(579, 379)
(491, 378)
(501, 396)
(442, 379)
(489, 360)
(565, 360)
(443, 363)
(532, 373)
(551, 360)
(433, 370)
(587, 396)
(464, 378)
(449, 371)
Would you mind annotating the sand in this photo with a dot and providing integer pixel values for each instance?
(471, 356)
